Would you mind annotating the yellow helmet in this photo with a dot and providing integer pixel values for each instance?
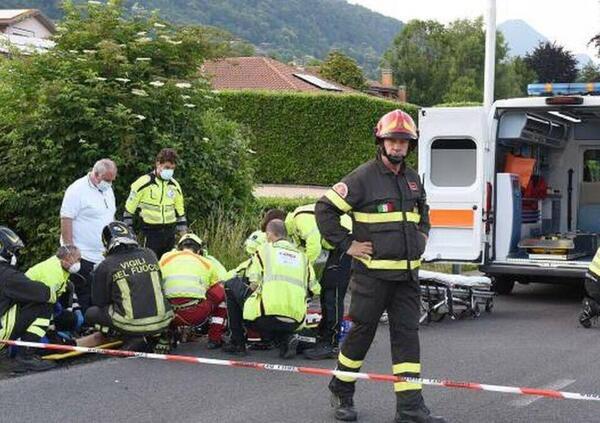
(254, 241)
(192, 241)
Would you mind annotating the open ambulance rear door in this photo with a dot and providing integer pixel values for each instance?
(452, 146)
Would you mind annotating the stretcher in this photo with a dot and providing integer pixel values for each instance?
(95, 340)
(454, 295)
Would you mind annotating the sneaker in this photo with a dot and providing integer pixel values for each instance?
(322, 351)
(235, 348)
(28, 360)
(289, 347)
(589, 312)
(344, 408)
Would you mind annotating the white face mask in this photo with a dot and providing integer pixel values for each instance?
(75, 267)
(166, 174)
(103, 186)
(13, 261)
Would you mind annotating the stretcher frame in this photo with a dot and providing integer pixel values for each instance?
(454, 295)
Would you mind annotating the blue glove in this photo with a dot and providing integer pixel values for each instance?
(78, 319)
(58, 309)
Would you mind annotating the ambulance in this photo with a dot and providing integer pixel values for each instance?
(515, 188)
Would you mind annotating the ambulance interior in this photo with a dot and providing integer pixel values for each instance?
(547, 185)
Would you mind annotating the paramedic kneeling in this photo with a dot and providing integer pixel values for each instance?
(274, 303)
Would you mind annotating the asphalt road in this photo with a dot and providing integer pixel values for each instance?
(532, 339)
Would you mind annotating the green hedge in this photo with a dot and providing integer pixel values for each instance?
(286, 204)
(302, 138)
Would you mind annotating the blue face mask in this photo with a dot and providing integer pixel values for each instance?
(166, 174)
(103, 186)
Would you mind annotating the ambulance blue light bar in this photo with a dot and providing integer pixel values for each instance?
(564, 88)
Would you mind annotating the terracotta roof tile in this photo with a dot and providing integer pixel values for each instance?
(259, 73)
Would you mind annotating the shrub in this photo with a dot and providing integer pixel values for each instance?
(303, 138)
(118, 87)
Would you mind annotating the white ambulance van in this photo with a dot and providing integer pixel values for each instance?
(516, 190)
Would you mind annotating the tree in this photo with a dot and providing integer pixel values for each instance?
(552, 63)
(589, 73)
(440, 64)
(119, 87)
(343, 69)
(417, 59)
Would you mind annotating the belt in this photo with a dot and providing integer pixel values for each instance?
(189, 304)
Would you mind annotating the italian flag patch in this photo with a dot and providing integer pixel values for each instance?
(385, 208)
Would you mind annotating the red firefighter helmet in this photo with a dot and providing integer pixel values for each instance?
(396, 124)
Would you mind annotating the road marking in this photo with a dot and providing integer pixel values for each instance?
(558, 385)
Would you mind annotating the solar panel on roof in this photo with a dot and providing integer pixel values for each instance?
(317, 82)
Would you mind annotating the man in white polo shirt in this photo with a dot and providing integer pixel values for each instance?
(87, 207)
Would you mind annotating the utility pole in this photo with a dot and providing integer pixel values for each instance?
(490, 54)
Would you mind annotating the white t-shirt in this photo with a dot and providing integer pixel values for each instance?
(91, 210)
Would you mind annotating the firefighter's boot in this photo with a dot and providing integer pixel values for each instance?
(590, 310)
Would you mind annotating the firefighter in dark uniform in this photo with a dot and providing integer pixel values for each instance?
(591, 303)
(158, 198)
(25, 305)
(390, 229)
(127, 293)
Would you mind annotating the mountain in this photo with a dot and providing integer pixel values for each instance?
(288, 29)
(520, 36)
(583, 59)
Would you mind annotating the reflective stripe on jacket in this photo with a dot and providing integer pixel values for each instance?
(283, 277)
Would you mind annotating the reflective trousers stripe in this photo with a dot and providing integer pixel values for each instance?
(338, 201)
(39, 327)
(390, 264)
(386, 217)
(406, 368)
(351, 364)
(407, 386)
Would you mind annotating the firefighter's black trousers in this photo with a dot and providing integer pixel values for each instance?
(334, 284)
(370, 298)
(27, 321)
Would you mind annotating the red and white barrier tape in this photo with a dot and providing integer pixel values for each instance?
(316, 371)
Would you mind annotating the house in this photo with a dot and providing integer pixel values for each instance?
(27, 30)
(386, 88)
(264, 73)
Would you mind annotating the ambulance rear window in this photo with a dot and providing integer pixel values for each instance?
(453, 162)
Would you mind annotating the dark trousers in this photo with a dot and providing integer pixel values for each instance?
(334, 284)
(592, 288)
(31, 321)
(271, 328)
(160, 239)
(82, 282)
(370, 298)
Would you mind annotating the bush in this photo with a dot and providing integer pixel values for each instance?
(113, 87)
(308, 138)
(285, 204)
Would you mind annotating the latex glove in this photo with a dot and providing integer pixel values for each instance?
(58, 309)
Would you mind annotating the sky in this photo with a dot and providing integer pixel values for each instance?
(569, 23)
